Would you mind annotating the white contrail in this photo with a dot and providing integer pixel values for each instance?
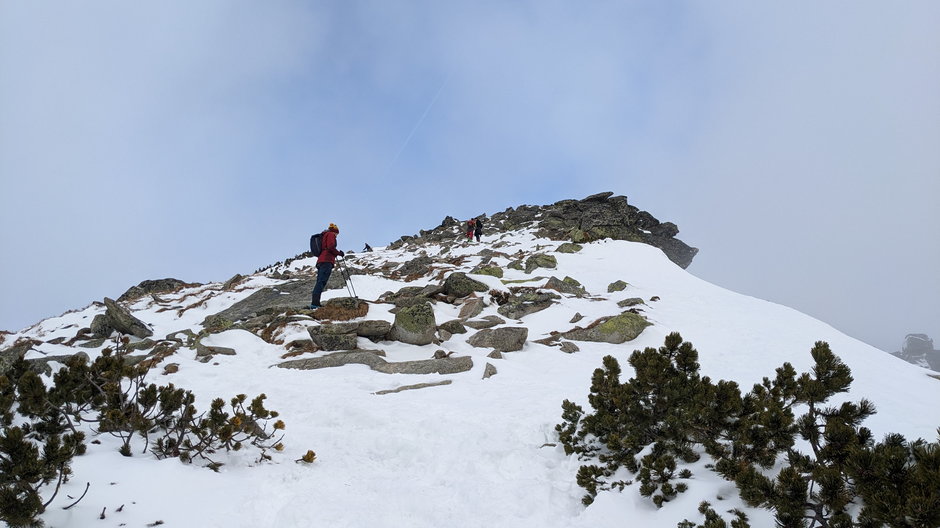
(418, 124)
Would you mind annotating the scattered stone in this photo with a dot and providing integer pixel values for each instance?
(506, 339)
(496, 354)
(172, 368)
(416, 267)
(459, 285)
(569, 348)
(487, 322)
(616, 286)
(143, 344)
(617, 329)
(471, 308)
(577, 317)
(540, 260)
(189, 334)
(121, 320)
(455, 326)
(439, 354)
(569, 286)
(632, 301)
(489, 371)
(414, 325)
(93, 343)
(492, 271)
(569, 247)
(654, 298)
(525, 301)
(413, 387)
(443, 335)
(204, 353)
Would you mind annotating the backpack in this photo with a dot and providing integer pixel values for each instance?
(316, 244)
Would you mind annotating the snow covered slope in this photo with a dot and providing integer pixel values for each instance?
(474, 453)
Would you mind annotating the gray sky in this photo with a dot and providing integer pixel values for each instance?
(796, 144)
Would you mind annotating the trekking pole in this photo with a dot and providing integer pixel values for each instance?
(344, 271)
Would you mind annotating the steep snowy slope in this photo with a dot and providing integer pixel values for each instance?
(476, 452)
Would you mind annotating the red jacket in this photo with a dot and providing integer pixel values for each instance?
(329, 252)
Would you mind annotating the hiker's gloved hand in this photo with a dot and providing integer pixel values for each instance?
(342, 253)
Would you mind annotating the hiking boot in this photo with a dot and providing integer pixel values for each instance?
(314, 307)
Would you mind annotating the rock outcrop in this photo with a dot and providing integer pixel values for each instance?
(120, 319)
(148, 287)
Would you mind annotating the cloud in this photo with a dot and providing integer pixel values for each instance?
(796, 146)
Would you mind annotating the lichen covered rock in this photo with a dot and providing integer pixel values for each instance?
(414, 325)
(617, 329)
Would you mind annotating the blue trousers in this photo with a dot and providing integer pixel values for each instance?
(324, 270)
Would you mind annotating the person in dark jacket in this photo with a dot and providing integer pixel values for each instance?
(325, 262)
(478, 228)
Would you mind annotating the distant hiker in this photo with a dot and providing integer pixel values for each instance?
(325, 262)
(478, 229)
(367, 249)
(471, 226)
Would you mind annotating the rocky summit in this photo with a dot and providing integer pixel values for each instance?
(596, 217)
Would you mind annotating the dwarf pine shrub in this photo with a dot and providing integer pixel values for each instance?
(39, 426)
(37, 445)
(666, 414)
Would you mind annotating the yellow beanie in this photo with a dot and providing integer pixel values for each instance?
(334, 227)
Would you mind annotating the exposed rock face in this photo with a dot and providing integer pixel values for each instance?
(294, 294)
(617, 329)
(121, 320)
(153, 286)
(596, 217)
(414, 325)
(507, 339)
(372, 359)
(459, 285)
(919, 350)
(19, 349)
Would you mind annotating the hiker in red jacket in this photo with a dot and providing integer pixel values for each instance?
(325, 262)
(470, 227)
